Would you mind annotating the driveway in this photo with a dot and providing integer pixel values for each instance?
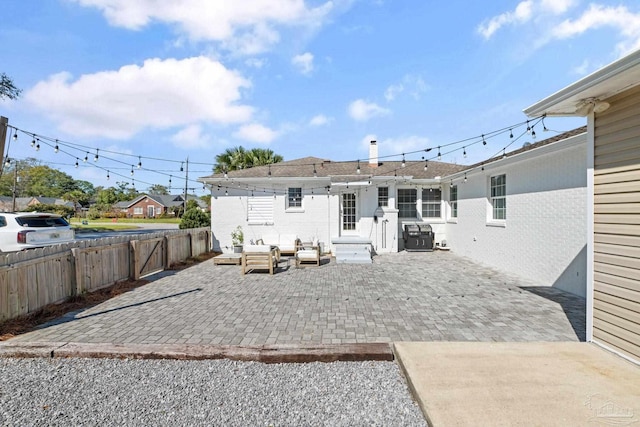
(435, 296)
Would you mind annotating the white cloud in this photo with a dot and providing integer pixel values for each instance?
(303, 62)
(247, 25)
(255, 62)
(191, 137)
(403, 144)
(362, 110)
(159, 94)
(256, 132)
(596, 16)
(544, 14)
(319, 120)
(581, 69)
(521, 14)
(413, 85)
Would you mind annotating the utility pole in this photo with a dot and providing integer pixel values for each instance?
(4, 123)
(15, 183)
(186, 183)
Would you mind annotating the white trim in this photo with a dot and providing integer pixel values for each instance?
(622, 69)
(590, 219)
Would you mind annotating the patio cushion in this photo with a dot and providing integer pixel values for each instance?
(256, 248)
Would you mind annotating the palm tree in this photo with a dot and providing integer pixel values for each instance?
(232, 159)
(263, 156)
(239, 158)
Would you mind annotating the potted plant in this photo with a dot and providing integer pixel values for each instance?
(237, 239)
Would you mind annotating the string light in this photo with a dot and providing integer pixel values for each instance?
(56, 148)
(33, 141)
(510, 134)
(528, 127)
(170, 182)
(226, 193)
(544, 127)
(86, 157)
(7, 161)
(315, 173)
(77, 162)
(451, 184)
(465, 177)
(358, 169)
(37, 147)
(426, 164)
(95, 158)
(131, 170)
(108, 176)
(139, 162)
(483, 141)
(439, 155)
(464, 152)
(403, 162)
(15, 134)
(533, 132)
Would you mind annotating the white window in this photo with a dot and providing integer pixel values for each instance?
(137, 211)
(431, 203)
(453, 201)
(499, 197)
(383, 196)
(407, 199)
(294, 198)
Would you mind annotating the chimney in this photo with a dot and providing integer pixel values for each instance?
(373, 154)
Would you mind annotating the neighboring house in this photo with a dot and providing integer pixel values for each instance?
(154, 205)
(6, 202)
(610, 99)
(534, 226)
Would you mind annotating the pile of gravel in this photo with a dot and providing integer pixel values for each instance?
(213, 392)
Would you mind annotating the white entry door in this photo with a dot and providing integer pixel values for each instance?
(349, 213)
(151, 211)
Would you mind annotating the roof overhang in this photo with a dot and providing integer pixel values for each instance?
(581, 97)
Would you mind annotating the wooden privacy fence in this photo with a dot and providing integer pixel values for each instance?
(32, 279)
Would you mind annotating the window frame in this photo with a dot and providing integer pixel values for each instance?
(351, 216)
(453, 202)
(294, 204)
(401, 204)
(383, 199)
(498, 198)
(428, 204)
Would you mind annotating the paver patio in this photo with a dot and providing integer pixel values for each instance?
(435, 296)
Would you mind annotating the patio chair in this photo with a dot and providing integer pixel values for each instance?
(307, 253)
(259, 257)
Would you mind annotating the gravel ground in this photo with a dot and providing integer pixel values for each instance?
(87, 392)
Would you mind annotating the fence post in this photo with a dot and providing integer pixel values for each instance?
(167, 252)
(135, 260)
(78, 268)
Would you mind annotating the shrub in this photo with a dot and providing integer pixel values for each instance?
(195, 218)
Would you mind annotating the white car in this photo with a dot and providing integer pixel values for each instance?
(24, 230)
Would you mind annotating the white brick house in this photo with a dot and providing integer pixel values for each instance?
(544, 187)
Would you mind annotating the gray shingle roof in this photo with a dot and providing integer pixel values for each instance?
(346, 171)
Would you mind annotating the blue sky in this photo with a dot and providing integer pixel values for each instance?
(163, 81)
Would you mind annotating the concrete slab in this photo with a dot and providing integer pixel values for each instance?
(508, 384)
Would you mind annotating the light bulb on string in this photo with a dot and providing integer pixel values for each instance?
(464, 152)
(504, 153)
(528, 127)
(33, 141)
(358, 169)
(7, 161)
(37, 147)
(170, 182)
(533, 133)
(86, 157)
(403, 162)
(510, 133)
(95, 158)
(56, 148)
(439, 155)
(465, 177)
(108, 176)
(77, 163)
(15, 135)
(226, 192)
(483, 141)
(451, 184)
(139, 162)
(426, 164)
(131, 170)
(182, 167)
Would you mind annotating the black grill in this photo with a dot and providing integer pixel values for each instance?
(418, 237)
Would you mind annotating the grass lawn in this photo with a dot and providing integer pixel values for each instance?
(96, 228)
(127, 220)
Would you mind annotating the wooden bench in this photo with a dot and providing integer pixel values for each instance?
(259, 257)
